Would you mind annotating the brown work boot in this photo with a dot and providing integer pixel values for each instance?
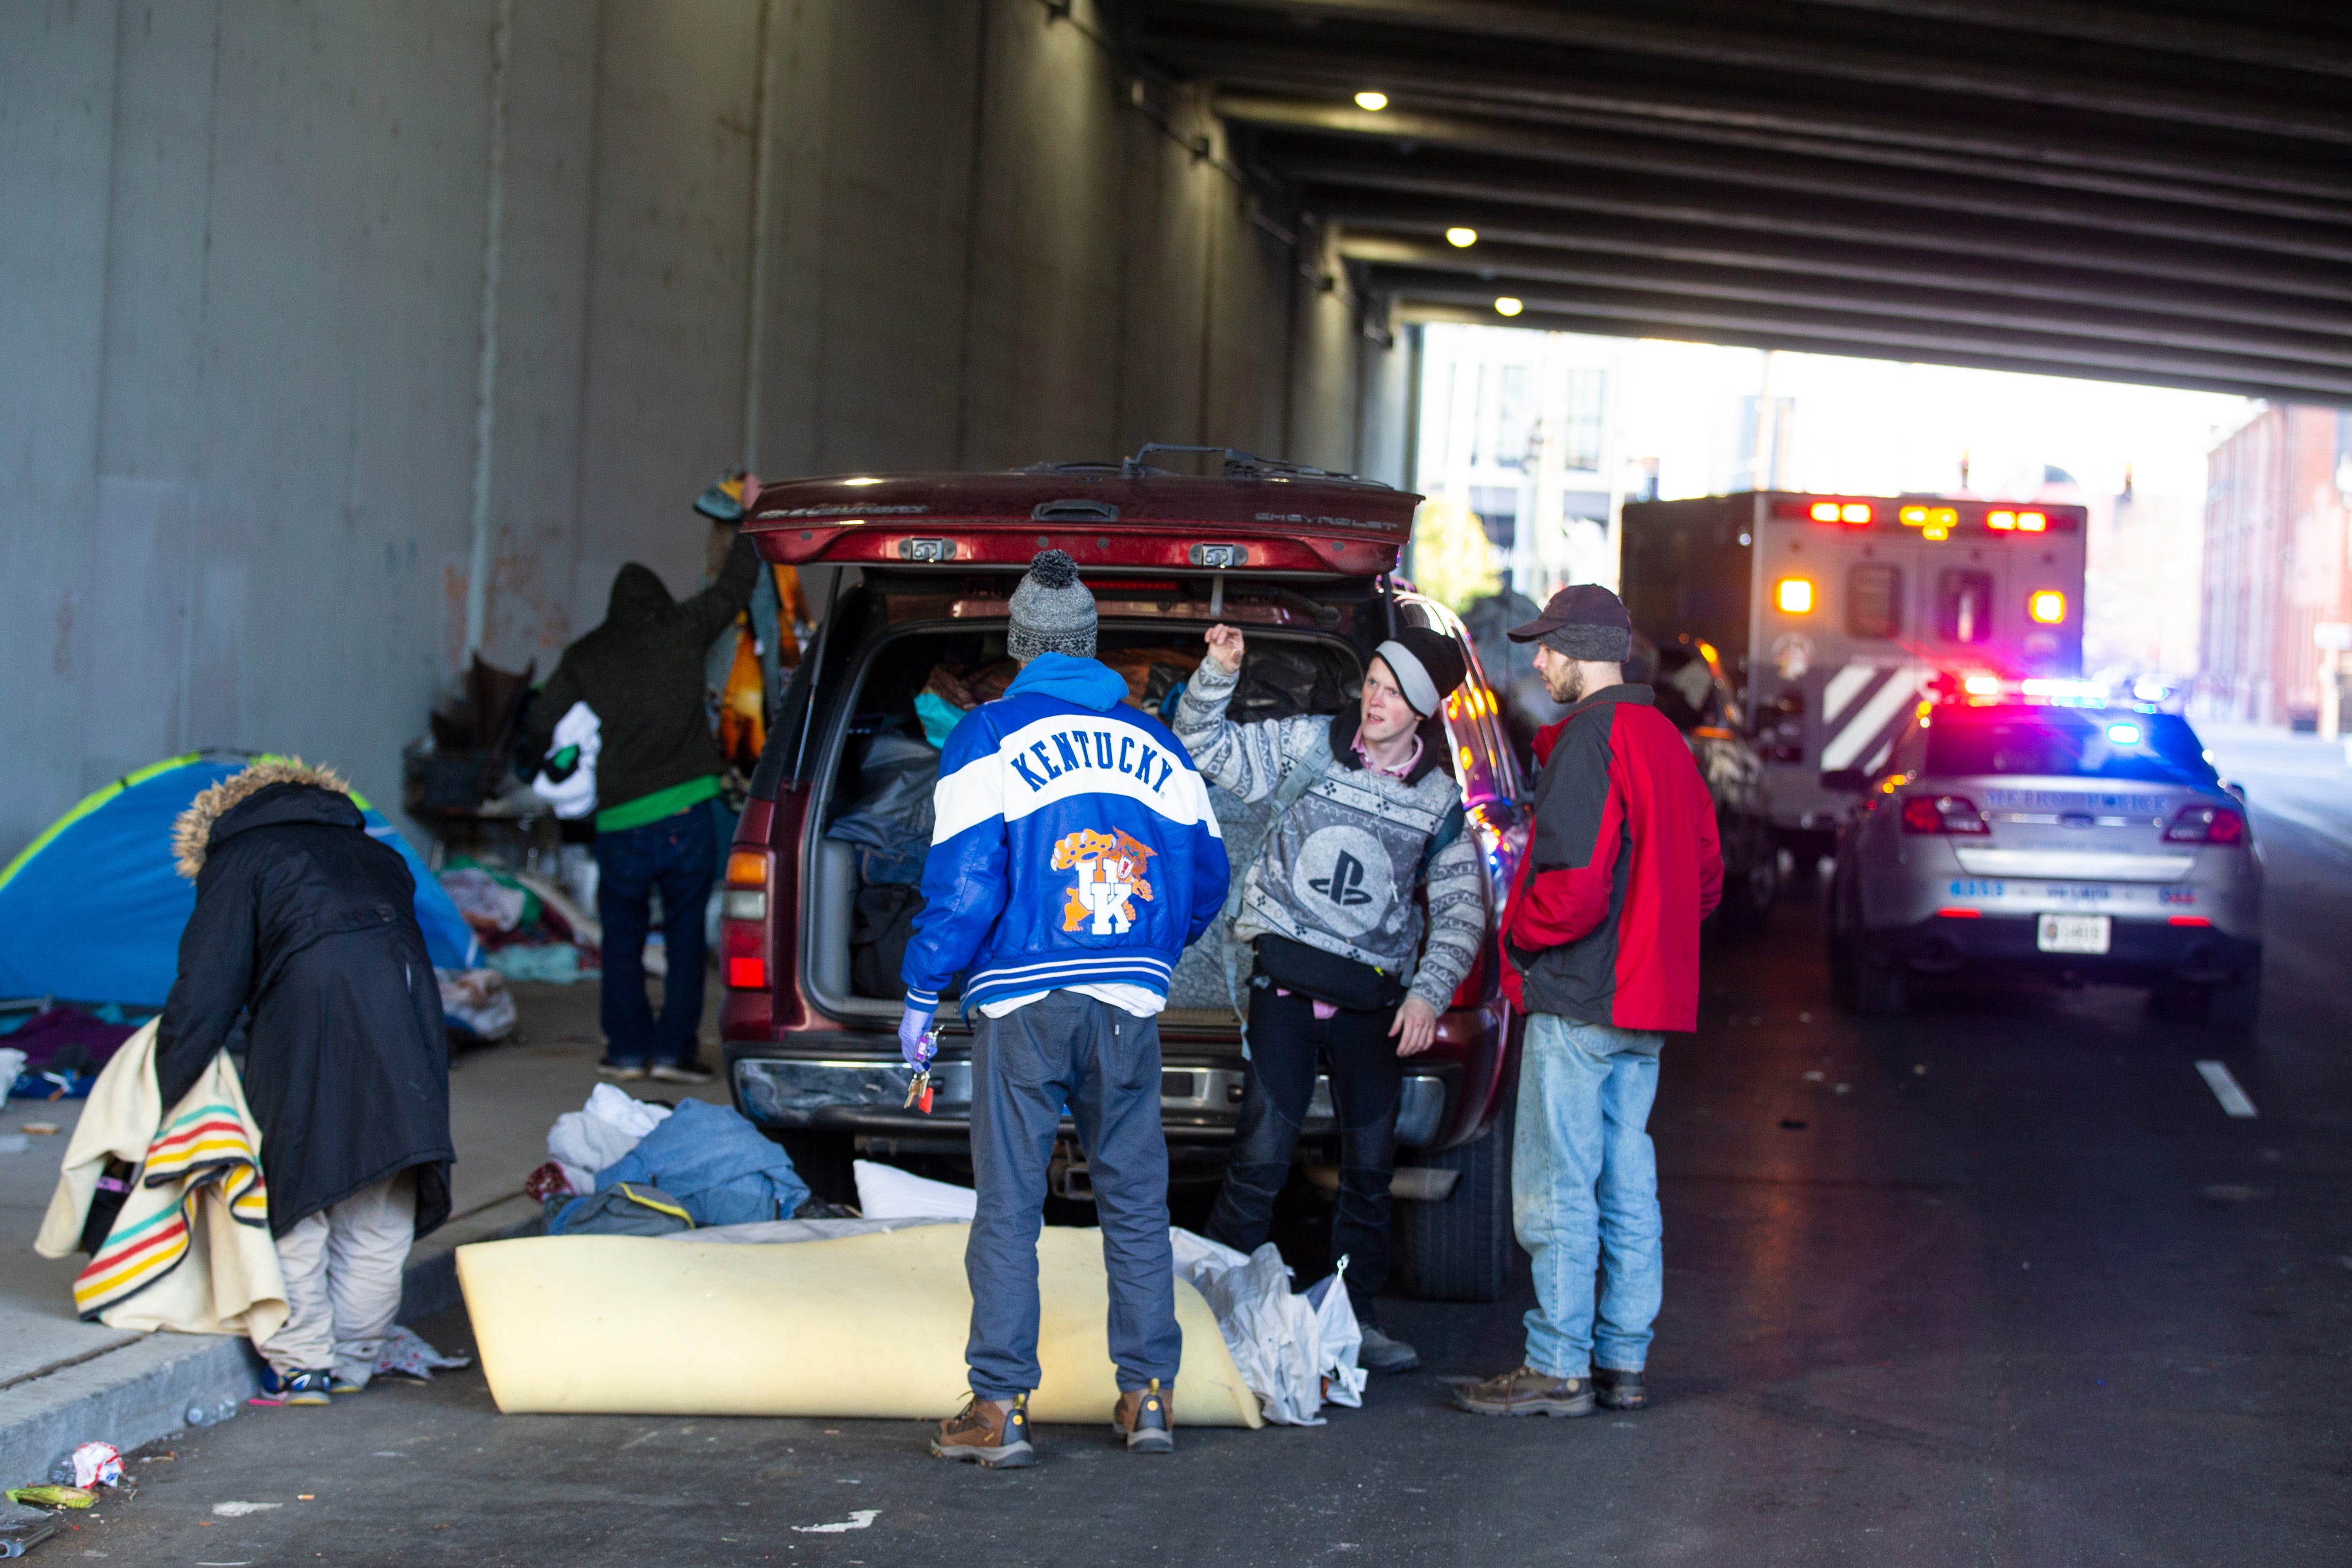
(1526, 1392)
(989, 1432)
(1146, 1419)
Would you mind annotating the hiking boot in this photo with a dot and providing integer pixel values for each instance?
(680, 1071)
(989, 1432)
(1142, 1417)
(1527, 1392)
(626, 1072)
(1619, 1390)
(1381, 1352)
(297, 1388)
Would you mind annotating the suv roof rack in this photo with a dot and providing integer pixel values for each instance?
(1238, 464)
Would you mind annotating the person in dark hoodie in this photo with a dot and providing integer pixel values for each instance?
(305, 928)
(641, 675)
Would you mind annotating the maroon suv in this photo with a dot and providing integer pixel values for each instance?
(820, 886)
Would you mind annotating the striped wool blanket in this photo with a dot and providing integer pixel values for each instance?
(190, 1249)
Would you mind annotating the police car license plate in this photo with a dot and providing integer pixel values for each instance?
(2072, 933)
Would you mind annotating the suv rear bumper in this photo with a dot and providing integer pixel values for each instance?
(843, 1092)
(2139, 951)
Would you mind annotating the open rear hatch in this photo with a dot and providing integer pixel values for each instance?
(1280, 521)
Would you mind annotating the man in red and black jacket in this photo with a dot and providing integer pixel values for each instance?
(1602, 935)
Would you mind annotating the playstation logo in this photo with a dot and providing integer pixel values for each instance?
(1344, 885)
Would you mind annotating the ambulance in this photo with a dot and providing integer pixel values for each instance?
(1835, 612)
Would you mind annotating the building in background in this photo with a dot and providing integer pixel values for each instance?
(1516, 427)
(2275, 569)
(2140, 600)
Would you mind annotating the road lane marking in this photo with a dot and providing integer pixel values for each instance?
(2225, 1088)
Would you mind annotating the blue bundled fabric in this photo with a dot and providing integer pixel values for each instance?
(722, 1168)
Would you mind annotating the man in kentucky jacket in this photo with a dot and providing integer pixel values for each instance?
(1073, 856)
(1601, 943)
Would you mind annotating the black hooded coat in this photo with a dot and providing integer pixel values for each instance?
(641, 672)
(307, 926)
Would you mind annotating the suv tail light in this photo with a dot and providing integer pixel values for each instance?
(1942, 814)
(2207, 825)
(743, 937)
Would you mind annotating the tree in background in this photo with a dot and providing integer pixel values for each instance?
(1451, 559)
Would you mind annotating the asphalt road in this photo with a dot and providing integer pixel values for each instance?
(1995, 1284)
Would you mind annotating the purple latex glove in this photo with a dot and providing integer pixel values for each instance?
(914, 1039)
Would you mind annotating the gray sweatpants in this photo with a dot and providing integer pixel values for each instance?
(342, 1268)
(1102, 1064)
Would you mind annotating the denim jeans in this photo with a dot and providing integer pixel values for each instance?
(1584, 1192)
(1286, 1040)
(678, 854)
(1102, 1064)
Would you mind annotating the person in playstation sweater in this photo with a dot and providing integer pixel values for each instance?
(1348, 975)
(1074, 855)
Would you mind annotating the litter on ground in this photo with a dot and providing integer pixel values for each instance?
(859, 1518)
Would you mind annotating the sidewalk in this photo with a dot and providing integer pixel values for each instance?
(64, 1382)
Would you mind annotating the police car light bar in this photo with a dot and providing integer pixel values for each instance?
(1980, 687)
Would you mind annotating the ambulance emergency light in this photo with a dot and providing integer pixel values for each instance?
(1934, 522)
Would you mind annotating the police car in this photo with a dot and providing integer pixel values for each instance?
(2037, 826)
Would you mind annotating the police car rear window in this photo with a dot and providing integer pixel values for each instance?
(2079, 743)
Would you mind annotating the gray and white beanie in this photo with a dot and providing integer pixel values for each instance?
(1052, 611)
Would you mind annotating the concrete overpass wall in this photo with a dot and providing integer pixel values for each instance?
(244, 348)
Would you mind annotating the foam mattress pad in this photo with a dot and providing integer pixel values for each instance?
(866, 1325)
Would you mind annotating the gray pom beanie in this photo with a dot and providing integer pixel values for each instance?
(1052, 611)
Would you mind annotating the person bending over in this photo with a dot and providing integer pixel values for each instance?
(305, 926)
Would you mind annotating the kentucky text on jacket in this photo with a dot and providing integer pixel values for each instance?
(1093, 748)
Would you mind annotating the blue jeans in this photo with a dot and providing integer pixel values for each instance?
(678, 854)
(1584, 1192)
(1102, 1064)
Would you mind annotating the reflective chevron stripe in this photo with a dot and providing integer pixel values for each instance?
(1865, 725)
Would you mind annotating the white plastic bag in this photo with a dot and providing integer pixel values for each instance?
(1276, 1336)
(574, 794)
(1342, 1339)
(885, 1192)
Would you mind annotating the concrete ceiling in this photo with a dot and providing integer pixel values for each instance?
(2152, 190)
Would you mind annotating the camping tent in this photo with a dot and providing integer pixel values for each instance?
(91, 911)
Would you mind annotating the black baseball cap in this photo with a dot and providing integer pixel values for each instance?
(1583, 621)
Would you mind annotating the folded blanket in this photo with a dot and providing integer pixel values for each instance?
(190, 1248)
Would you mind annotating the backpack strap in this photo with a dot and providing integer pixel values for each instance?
(1448, 830)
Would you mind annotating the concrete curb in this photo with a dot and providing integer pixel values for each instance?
(135, 1393)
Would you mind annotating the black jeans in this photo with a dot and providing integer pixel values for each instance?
(1286, 1043)
(678, 854)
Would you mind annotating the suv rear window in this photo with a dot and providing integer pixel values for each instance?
(2081, 743)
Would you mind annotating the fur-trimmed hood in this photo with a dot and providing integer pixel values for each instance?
(191, 832)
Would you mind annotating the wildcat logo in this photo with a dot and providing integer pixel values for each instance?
(1110, 876)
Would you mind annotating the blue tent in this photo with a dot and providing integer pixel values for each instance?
(91, 911)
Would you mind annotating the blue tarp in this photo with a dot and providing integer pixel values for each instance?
(93, 910)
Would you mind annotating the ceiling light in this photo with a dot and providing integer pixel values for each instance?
(1461, 238)
(1375, 101)
(1506, 305)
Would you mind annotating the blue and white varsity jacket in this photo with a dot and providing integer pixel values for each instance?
(1072, 843)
